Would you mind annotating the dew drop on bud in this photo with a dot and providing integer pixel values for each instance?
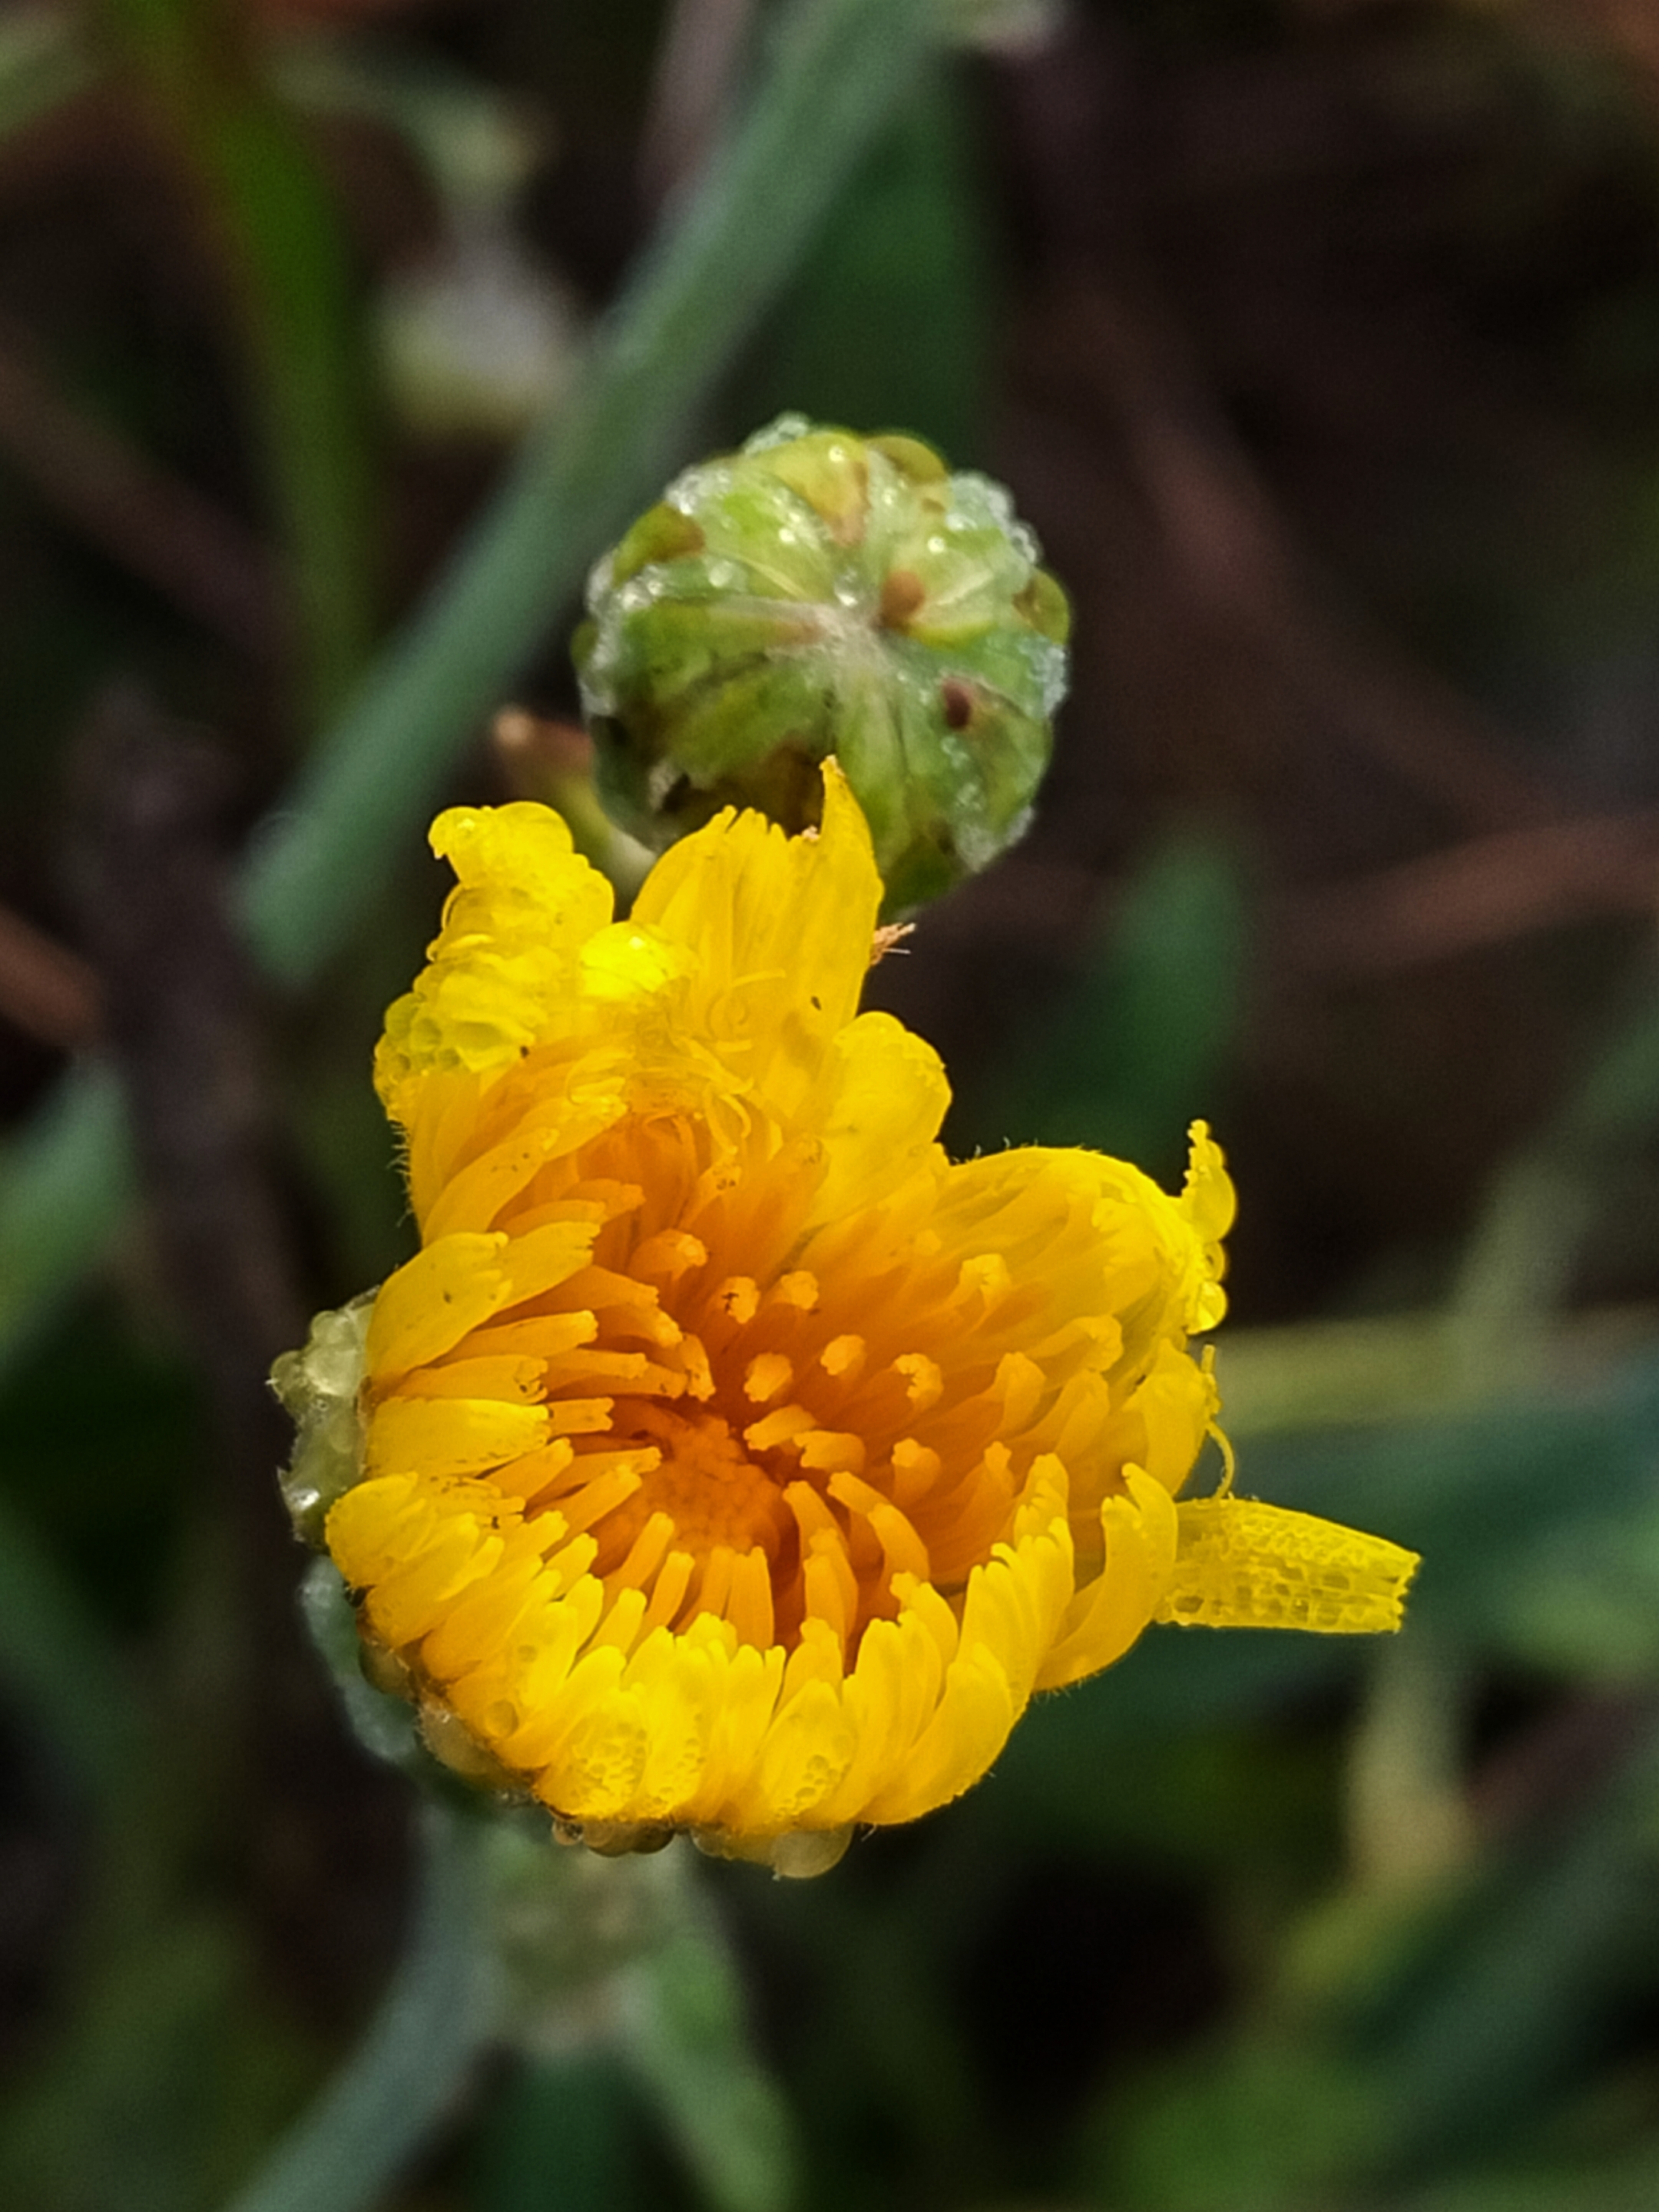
(820, 593)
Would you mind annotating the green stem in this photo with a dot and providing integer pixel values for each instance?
(839, 69)
(435, 2023)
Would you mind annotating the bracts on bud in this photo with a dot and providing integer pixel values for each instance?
(820, 593)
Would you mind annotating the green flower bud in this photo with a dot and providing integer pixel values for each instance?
(820, 593)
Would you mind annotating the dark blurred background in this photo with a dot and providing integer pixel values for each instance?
(1319, 341)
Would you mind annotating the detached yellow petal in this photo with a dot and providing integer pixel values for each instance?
(1242, 1564)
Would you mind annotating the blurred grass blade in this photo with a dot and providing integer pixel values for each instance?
(1397, 1367)
(43, 63)
(1408, 1366)
(684, 2031)
(58, 1670)
(1515, 2008)
(64, 1186)
(269, 210)
(840, 68)
(433, 2024)
(1546, 1197)
(893, 319)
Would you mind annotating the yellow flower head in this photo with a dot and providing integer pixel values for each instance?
(734, 1461)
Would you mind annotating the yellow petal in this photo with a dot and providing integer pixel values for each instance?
(1242, 1564)
(1141, 1534)
(451, 1436)
(434, 1301)
(781, 928)
(499, 977)
(886, 1094)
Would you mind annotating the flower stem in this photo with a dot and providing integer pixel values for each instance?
(434, 2021)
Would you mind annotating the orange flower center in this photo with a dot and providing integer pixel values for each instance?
(751, 1501)
(771, 1448)
(715, 1493)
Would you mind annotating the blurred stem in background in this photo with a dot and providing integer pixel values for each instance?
(1500, 1329)
(442, 2005)
(597, 1972)
(837, 69)
(271, 217)
(1547, 1198)
(43, 63)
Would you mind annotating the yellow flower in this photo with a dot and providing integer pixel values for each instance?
(734, 1461)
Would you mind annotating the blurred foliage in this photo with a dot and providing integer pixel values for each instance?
(1322, 344)
(893, 320)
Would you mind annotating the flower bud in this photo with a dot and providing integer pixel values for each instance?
(820, 593)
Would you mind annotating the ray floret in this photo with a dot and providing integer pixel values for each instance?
(728, 1458)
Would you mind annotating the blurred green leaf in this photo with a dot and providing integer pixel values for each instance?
(163, 2084)
(562, 2133)
(1515, 2007)
(1408, 2031)
(1249, 2127)
(840, 68)
(1626, 2184)
(1323, 1374)
(44, 61)
(889, 327)
(58, 1667)
(1136, 1047)
(65, 1184)
(284, 254)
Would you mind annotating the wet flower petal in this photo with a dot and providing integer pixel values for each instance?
(731, 1460)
